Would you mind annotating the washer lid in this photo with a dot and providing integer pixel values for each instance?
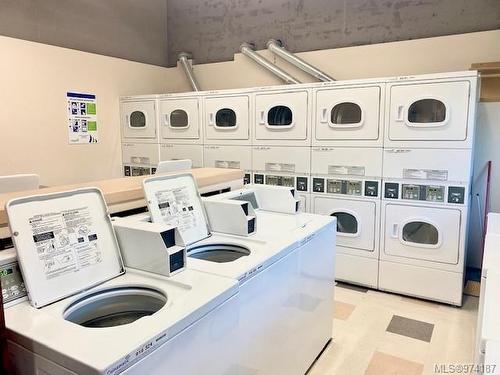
(174, 200)
(65, 243)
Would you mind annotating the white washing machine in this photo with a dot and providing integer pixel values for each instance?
(346, 184)
(180, 118)
(88, 315)
(349, 114)
(226, 118)
(139, 119)
(175, 151)
(284, 166)
(277, 297)
(423, 238)
(229, 156)
(282, 116)
(431, 111)
(140, 159)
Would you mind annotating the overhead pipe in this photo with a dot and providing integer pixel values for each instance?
(277, 48)
(247, 50)
(183, 60)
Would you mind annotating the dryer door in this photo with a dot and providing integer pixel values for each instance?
(179, 118)
(227, 118)
(138, 119)
(355, 221)
(422, 233)
(429, 112)
(281, 116)
(348, 113)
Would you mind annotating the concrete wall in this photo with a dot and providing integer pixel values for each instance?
(130, 29)
(213, 30)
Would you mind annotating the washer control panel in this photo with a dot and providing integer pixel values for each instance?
(425, 193)
(12, 282)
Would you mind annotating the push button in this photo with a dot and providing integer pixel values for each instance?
(318, 185)
(391, 190)
(302, 183)
(258, 178)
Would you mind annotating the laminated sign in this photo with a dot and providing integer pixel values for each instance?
(82, 118)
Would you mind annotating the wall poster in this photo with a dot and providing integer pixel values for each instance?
(82, 118)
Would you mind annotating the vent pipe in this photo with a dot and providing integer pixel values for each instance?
(183, 60)
(248, 51)
(277, 48)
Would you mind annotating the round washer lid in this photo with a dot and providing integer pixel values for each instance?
(174, 200)
(65, 243)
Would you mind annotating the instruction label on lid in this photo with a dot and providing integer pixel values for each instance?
(176, 208)
(65, 241)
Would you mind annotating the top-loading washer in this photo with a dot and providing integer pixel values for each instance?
(89, 315)
(282, 116)
(273, 301)
(346, 184)
(226, 118)
(139, 119)
(432, 111)
(348, 113)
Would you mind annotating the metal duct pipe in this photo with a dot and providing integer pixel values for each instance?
(248, 51)
(277, 48)
(183, 60)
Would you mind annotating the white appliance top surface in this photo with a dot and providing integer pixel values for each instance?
(190, 295)
(175, 201)
(65, 243)
(492, 356)
(281, 234)
(490, 329)
(491, 258)
(493, 223)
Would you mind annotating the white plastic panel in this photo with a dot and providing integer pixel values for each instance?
(226, 156)
(428, 164)
(281, 159)
(227, 117)
(169, 151)
(180, 118)
(138, 120)
(349, 161)
(422, 233)
(356, 269)
(348, 114)
(65, 243)
(356, 221)
(174, 200)
(429, 111)
(140, 153)
(281, 116)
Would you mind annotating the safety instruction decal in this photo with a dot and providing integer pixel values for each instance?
(82, 118)
(65, 241)
(176, 208)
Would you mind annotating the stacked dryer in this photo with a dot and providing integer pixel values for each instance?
(139, 134)
(180, 127)
(427, 169)
(346, 170)
(227, 131)
(281, 139)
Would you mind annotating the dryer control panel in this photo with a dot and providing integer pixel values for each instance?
(298, 182)
(425, 193)
(345, 187)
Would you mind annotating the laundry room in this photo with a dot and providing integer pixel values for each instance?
(278, 187)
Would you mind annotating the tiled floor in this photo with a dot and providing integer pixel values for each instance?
(378, 333)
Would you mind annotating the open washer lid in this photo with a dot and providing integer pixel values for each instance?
(65, 243)
(174, 200)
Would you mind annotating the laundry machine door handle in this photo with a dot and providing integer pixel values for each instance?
(211, 119)
(324, 111)
(166, 118)
(399, 113)
(262, 118)
(394, 232)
